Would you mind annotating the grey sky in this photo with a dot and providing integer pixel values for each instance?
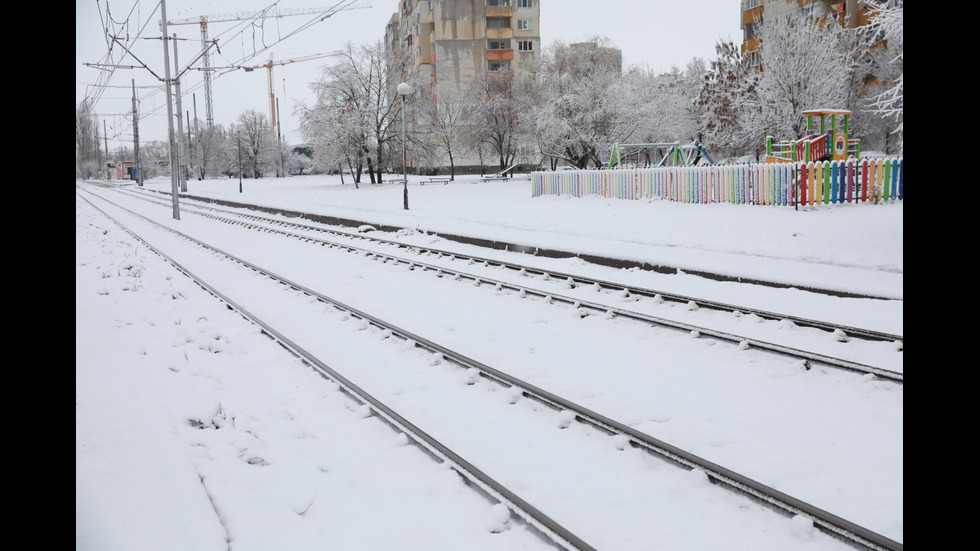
(655, 33)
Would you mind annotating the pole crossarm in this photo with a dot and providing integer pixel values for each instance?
(276, 13)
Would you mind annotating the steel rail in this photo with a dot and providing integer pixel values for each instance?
(536, 519)
(779, 501)
(849, 331)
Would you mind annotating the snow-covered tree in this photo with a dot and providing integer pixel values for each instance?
(665, 106)
(441, 126)
(887, 24)
(729, 97)
(208, 141)
(585, 105)
(254, 135)
(88, 154)
(152, 154)
(355, 101)
(807, 63)
(500, 116)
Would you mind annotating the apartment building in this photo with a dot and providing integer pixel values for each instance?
(449, 42)
(850, 13)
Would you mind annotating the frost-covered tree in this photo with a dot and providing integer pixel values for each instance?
(441, 125)
(585, 105)
(887, 24)
(208, 141)
(336, 129)
(88, 154)
(807, 63)
(729, 99)
(501, 117)
(253, 133)
(298, 163)
(355, 100)
(665, 106)
(153, 155)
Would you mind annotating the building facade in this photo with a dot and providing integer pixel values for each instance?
(450, 42)
(849, 13)
(447, 44)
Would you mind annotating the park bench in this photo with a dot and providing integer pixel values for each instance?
(436, 179)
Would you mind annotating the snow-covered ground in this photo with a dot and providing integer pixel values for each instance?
(159, 362)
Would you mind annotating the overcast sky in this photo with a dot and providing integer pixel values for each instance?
(655, 33)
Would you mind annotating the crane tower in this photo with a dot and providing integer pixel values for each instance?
(270, 64)
(245, 16)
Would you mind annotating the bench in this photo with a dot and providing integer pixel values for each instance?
(435, 179)
(495, 177)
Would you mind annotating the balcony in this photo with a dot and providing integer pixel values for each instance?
(495, 55)
(500, 12)
(749, 16)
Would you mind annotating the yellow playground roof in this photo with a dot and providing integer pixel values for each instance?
(827, 112)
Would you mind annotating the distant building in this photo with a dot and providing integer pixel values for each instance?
(448, 43)
(452, 41)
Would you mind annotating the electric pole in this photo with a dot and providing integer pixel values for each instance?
(180, 126)
(105, 139)
(136, 139)
(170, 112)
(282, 168)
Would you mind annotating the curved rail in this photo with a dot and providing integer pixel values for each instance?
(778, 501)
(808, 358)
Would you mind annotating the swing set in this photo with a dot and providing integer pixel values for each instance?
(664, 154)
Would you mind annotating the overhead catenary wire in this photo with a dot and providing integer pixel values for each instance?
(256, 24)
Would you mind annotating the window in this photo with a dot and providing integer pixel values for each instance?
(525, 45)
(755, 60)
(498, 22)
(524, 4)
(498, 45)
(524, 24)
(498, 2)
(498, 66)
(749, 4)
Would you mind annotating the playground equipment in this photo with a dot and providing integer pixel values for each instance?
(827, 143)
(664, 154)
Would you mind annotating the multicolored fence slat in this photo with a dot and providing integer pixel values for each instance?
(779, 184)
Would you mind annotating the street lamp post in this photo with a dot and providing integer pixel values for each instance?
(239, 134)
(404, 89)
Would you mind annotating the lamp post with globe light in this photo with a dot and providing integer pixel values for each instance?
(404, 89)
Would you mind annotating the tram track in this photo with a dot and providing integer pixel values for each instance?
(504, 276)
(856, 535)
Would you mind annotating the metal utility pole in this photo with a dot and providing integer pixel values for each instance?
(282, 168)
(180, 126)
(105, 139)
(200, 149)
(404, 89)
(136, 139)
(209, 112)
(170, 111)
(239, 134)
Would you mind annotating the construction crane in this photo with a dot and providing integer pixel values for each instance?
(270, 64)
(203, 21)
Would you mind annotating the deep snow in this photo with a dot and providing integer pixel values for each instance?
(307, 469)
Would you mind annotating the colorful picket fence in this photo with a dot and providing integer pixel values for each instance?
(778, 184)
